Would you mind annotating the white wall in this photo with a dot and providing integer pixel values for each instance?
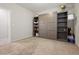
(4, 25)
(20, 21)
(77, 23)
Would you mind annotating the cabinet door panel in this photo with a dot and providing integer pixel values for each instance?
(48, 26)
(52, 26)
(43, 26)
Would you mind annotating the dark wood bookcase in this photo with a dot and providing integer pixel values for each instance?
(62, 25)
(35, 26)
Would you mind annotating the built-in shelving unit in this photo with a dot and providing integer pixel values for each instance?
(35, 26)
(62, 25)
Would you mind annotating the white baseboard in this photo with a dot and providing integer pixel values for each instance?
(21, 38)
(4, 41)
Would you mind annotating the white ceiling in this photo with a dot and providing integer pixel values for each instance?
(40, 7)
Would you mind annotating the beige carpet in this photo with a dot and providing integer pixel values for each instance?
(38, 46)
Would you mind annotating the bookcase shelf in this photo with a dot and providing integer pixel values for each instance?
(35, 26)
(62, 25)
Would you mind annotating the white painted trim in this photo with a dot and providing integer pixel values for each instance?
(21, 38)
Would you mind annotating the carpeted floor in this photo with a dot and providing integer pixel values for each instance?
(39, 46)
